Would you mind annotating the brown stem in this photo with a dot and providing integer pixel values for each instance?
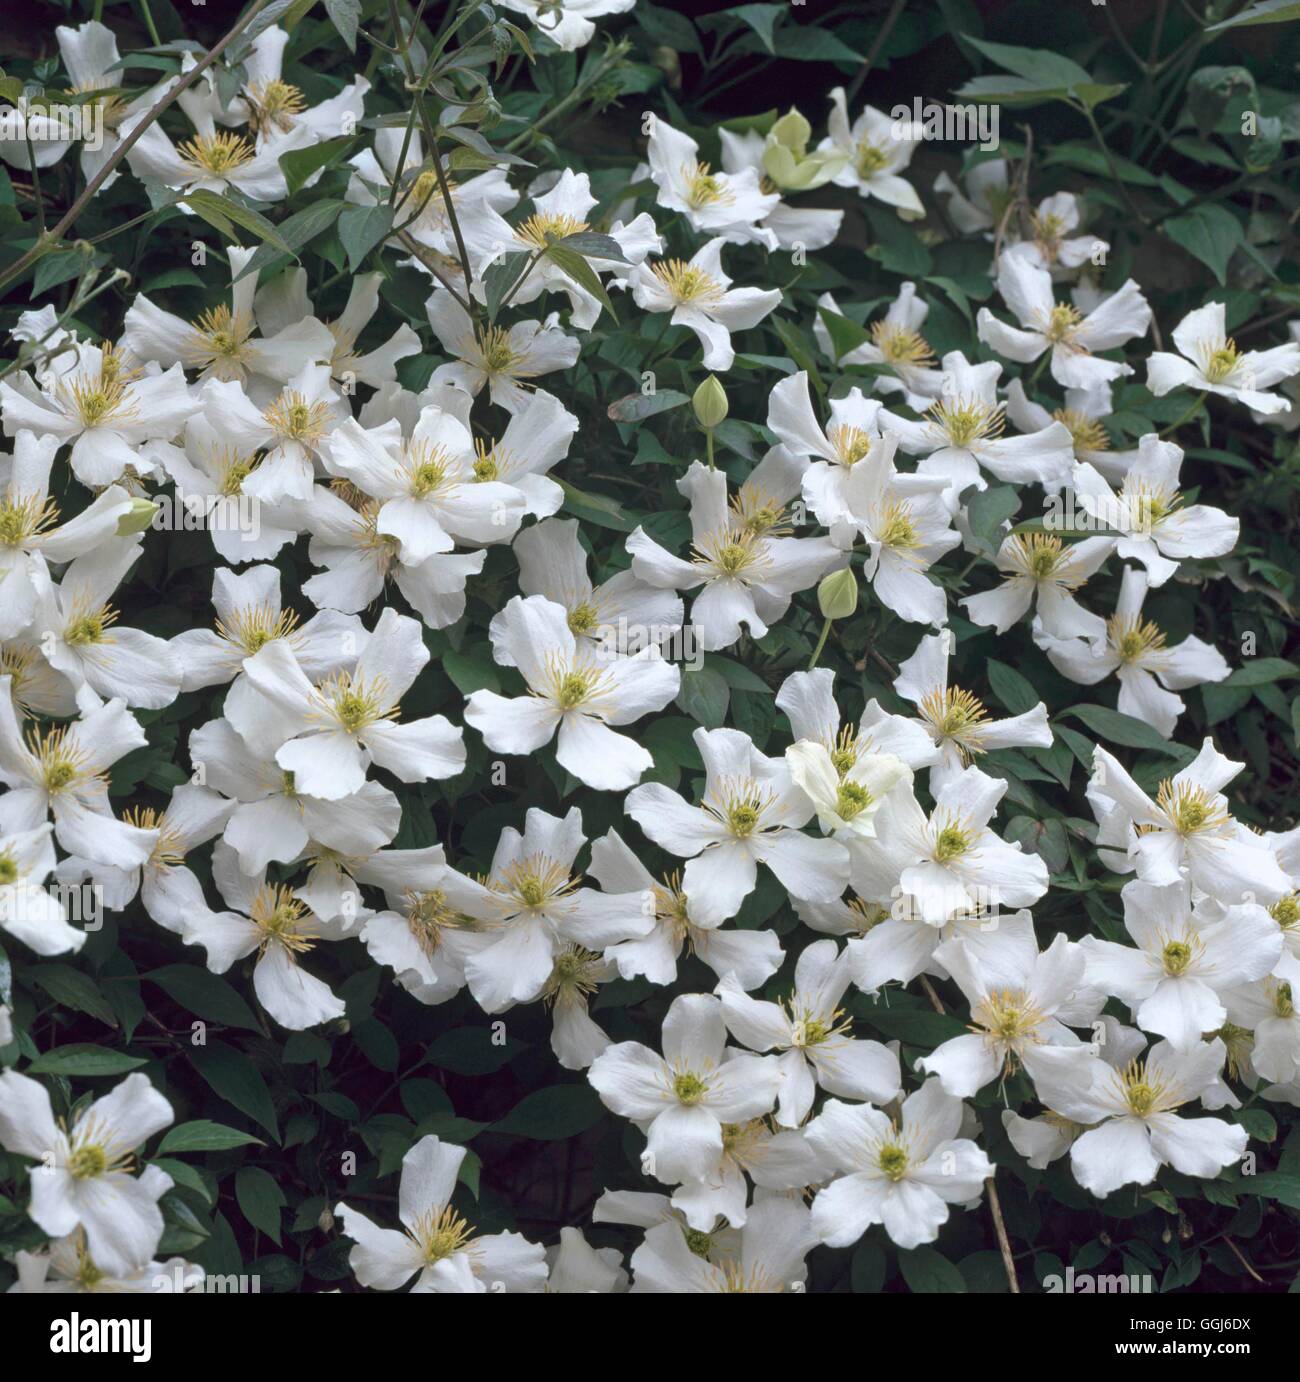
(1004, 1243)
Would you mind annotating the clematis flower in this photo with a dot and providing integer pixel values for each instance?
(1208, 360)
(808, 700)
(269, 920)
(567, 23)
(622, 614)
(83, 1180)
(81, 638)
(956, 720)
(700, 296)
(751, 812)
(1267, 1010)
(27, 911)
(682, 1098)
(749, 565)
(329, 733)
(1042, 571)
(221, 343)
(30, 531)
(811, 1031)
(1156, 528)
(426, 487)
(575, 694)
(1134, 649)
(65, 1267)
(813, 228)
(1188, 828)
(100, 405)
(774, 1242)
(436, 1242)
(61, 772)
(958, 865)
(503, 358)
(876, 150)
(578, 1269)
(249, 616)
(846, 800)
(1186, 957)
(726, 205)
(536, 909)
(272, 821)
(1014, 1025)
(1073, 338)
(1083, 414)
(750, 957)
(562, 211)
(961, 435)
(1135, 1127)
(896, 341)
(903, 1175)
(1050, 244)
(981, 201)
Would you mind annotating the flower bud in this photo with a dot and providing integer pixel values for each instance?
(837, 595)
(137, 518)
(710, 404)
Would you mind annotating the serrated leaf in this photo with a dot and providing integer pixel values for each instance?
(361, 228)
(220, 211)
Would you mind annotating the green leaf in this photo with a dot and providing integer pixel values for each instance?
(846, 336)
(70, 988)
(205, 1136)
(596, 508)
(299, 164)
(260, 1200)
(238, 1081)
(205, 994)
(1266, 12)
(897, 247)
(636, 407)
(987, 510)
(576, 267)
(296, 231)
(84, 1059)
(550, 1115)
(1125, 729)
(1013, 690)
(1260, 671)
(1209, 233)
(1039, 65)
(928, 1272)
(471, 1050)
(361, 228)
(220, 211)
(345, 15)
(1272, 1185)
(704, 696)
(500, 277)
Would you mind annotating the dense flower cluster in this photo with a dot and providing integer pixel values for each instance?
(771, 1124)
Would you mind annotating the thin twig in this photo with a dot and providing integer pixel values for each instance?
(882, 35)
(1000, 1228)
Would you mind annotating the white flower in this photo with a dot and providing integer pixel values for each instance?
(813, 228)
(270, 920)
(1157, 530)
(577, 694)
(1042, 571)
(100, 405)
(27, 910)
(81, 638)
(1187, 827)
(222, 342)
(562, 211)
(503, 358)
(682, 1098)
(1014, 1024)
(750, 957)
(700, 296)
(896, 341)
(1138, 1129)
(578, 1269)
(567, 23)
(436, 1242)
(83, 1181)
(985, 199)
(30, 531)
(751, 813)
(955, 719)
(272, 820)
(811, 1032)
(846, 798)
(726, 205)
(1050, 245)
(961, 434)
(1185, 958)
(329, 733)
(1045, 324)
(903, 1175)
(622, 614)
(62, 772)
(1211, 362)
(1149, 672)
(1083, 415)
(774, 1242)
(743, 556)
(536, 910)
(1267, 1008)
(958, 865)
(426, 486)
(876, 150)
(65, 1267)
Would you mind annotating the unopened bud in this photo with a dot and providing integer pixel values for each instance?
(710, 404)
(137, 518)
(837, 595)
